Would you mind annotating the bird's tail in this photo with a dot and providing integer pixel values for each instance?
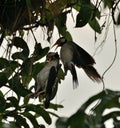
(74, 76)
(47, 100)
(92, 73)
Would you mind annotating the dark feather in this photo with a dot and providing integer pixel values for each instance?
(92, 73)
(49, 87)
(82, 57)
(74, 76)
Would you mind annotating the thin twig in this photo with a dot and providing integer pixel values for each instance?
(115, 41)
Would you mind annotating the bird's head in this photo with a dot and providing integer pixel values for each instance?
(52, 56)
(61, 41)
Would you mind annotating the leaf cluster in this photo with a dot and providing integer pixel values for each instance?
(28, 14)
(97, 116)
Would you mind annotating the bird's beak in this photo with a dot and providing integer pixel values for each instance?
(56, 44)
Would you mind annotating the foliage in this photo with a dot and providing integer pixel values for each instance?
(18, 67)
(96, 118)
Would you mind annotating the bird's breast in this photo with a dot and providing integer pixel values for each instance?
(66, 54)
(44, 73)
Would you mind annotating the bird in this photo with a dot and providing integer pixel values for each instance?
(46, 78)
(73, 55)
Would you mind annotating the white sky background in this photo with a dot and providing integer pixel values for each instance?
(84, 37)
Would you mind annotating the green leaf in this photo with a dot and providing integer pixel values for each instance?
(26, 80)
(39, 111)
(95, 12)
(26, 68)
(60, 22)
(17, 86)
(29, 4)
(110, 115)
(11, 68)
(118, 19)
(2, 104)
(108, 3)
(85, 2)
(3, 79)
(39, 52)
(20, 43)
(95, 118)
(10, 125)
(32, 119)
(21, 121)
(44, 114)
(83, 16)
(55, 106)
(3, 63)
(95, 25)
(19, 55)
(75, 121)
(61, 74)
(14, 101)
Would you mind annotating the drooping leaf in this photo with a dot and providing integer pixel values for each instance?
(20, 43)
(108, 3)
(118, 19)
(55, 106)
(11, 68)
(3, 79)
(2, 104)
(83, 16)
(75, 121)
(14, 101)
(39, 52)
(95, 12)
(21, 121)
(39, 111)
(44, 114)
(26, 80)
(19, 55)
(3, 63)
(95, 25)
(17, 87)
(95, 118)
(111, 114)
(61, 74)
(9, 125)
(26, 68)
(60, 23)
(32, 119)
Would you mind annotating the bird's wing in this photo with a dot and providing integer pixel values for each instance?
(81, 57)
(50, 83)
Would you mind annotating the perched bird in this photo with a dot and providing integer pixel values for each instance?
(46, 78)
(73, 55)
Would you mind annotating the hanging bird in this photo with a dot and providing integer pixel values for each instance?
(73, 55)
(46, 78)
